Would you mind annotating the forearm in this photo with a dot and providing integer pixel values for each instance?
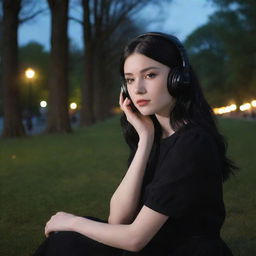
(131, 237)
(119, 236)
(124, 202)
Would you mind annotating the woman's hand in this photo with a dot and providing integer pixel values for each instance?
(61, 221)
(142, 124)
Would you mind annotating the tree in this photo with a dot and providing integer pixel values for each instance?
(33, 55)
(223, 52)
(58, 116)
(14, 13)
(1, 61)
(209, 59)
(12, 114)
(101, 21)
(236, 20)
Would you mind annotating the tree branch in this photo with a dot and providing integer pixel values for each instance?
(76, 20)
(31, 16)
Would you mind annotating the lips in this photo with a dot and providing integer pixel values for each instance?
(143, 102)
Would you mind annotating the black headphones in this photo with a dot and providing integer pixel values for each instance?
(179, 77)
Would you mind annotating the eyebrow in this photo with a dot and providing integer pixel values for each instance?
(143, 70)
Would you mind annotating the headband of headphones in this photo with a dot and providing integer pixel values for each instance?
(174, 40)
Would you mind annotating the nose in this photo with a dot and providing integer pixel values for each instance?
(140, 87)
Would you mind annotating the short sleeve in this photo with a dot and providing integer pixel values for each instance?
(186, 175)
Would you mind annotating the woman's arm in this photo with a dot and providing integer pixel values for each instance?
(124, 202)
(132, 237)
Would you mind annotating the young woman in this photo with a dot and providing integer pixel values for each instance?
(170, 201)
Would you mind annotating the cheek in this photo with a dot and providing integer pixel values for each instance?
(165, 99)
(131, 94)
(161, 89)
(163, 96)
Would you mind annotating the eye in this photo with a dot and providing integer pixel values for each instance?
(150, 75)
(129, 80)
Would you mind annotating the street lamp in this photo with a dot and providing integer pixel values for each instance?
(43, 104)
(30, 74)
(73, 106)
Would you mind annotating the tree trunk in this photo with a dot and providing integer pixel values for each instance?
(100, 99)
(58, 115)
(1, 63)
(87, 117)
(13, 126)
(100, 21)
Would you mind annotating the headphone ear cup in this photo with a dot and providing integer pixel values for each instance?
(178, 82)
(173, 82)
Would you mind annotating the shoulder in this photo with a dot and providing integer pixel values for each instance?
(193, 152)
(194, 137)
(192, 145)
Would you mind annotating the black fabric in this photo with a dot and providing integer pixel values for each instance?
(66, 243)
(184, 184)
(188, 175)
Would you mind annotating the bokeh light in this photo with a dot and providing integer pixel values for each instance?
(43, 104)
(73, 105)
(30, 73)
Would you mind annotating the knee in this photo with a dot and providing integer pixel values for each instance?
(64, 236)
(58, 243)
(64, 241)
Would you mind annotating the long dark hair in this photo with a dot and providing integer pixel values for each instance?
(190, 105)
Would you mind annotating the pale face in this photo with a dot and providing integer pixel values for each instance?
(146, 79)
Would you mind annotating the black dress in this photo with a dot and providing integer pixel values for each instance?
(186, 185)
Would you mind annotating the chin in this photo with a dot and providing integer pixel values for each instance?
(146, 112)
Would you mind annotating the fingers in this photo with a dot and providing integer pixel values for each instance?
(124, 103)
(121, 97)
(46, 230)
(47, 227)
(126, 106)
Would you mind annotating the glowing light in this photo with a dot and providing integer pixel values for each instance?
(30, 73)
(224, 110)
(233, 107)
(116, 110)
(43, 104)
(245, 107)
(216, 111)
(253, 103)
(73, 105)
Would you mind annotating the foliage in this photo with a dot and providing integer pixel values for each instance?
(34, 55)
(208, 58)
(223, 51)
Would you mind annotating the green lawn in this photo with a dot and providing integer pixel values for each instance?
(77, 173)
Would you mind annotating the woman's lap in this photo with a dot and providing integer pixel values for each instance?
(67, 243)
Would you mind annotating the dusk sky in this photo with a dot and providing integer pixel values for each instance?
(180, 18)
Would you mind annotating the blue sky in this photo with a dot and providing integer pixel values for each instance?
(180, 18)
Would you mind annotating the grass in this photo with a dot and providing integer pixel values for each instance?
(78, 173)
(239, 192)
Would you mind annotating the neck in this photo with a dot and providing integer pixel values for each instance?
(164, 121)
